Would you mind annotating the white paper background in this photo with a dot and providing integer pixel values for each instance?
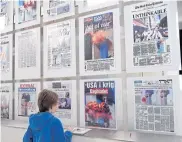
(31, 72)
(173, 29)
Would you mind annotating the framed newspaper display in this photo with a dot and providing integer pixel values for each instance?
(67, 104)
(27, 54)
(6, 46)
(56, 9)
(100, 103)
(6, 15)
(90, 5)
(99, 42)
(59, 49)
(26, 96)
(27, 13)
(152, 36)
(6, 100)
(153, 102)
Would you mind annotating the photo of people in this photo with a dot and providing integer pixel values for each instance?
(64, 103)
(26, 101)
(27, 10)
(152, 29)
(57, 7)
(157, 97)
(98, 37)
(100, 107)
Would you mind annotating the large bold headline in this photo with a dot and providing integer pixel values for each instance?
(100, 87)
(98, 22)
(149, 13)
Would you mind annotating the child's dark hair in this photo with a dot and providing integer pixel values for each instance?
(46, 100)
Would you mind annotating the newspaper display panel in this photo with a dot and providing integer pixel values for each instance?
(27, 53)
(60, 49)
(6, 57)
(154, 105)
(5, 93)
(101, 45)
(66, 100)
(55, 9)
(100, 104)
(26, 99)
(27, 13)
(152, 36)
(6, 15)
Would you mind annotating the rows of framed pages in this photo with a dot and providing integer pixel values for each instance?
(154, 103)
(151, 37)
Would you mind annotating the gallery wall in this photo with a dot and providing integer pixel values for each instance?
(89, 56)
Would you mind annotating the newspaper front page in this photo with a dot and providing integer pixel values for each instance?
(100, 104)
(64, 91)
(99, 43)
(154, 105)
(5, 54)
(27, 99)
(5, 100)
(6, 10)
(27, 11)
(59, 45)
(151, 45)
(27, 47)
(58, 7)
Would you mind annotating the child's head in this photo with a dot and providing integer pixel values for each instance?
(47, 101)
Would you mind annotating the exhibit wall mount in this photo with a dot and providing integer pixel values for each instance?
(75, 23)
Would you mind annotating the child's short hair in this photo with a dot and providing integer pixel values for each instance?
(46, 100)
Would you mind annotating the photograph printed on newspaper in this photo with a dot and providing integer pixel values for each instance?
(27, 99)
(59, 45)
(27, 10)
(151, 45)
(64, 91)
(154, 105)
(99, 43)
(58, 7)
(100, 104)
